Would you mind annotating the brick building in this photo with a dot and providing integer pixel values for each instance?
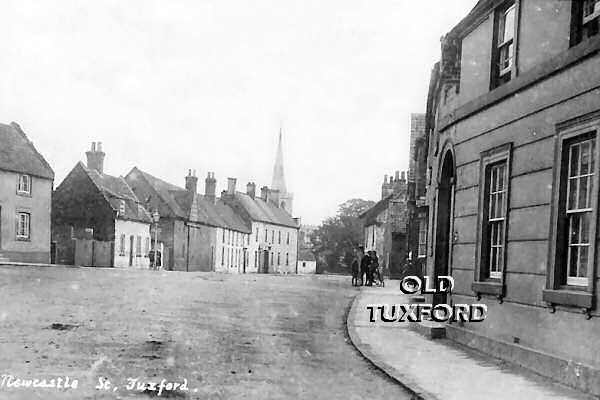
(92, 205)
(200, 233)
(514, 112)
(26, 182)
(384, 226)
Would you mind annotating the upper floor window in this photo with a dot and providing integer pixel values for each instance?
(278, 237)
(288, 238)
(23, 225)
(256, 235)
(24, 186)
(585, 20)
(504, 48)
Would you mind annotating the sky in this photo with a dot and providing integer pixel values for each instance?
(169, 86)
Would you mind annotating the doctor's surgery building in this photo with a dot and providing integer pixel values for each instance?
(513, 125)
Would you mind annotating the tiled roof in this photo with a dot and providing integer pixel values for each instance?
(264, 211)
(181, 205)
(18, 154)
(116, 190)
(204, 211)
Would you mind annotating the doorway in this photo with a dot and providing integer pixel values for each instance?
(443, 224)
(265, 266)
(131, 250)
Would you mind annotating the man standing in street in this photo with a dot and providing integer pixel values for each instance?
(365, 260)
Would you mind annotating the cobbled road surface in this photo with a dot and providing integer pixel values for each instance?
(225, 336)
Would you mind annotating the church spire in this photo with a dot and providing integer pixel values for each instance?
(278, 182)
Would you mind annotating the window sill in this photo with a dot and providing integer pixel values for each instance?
(24, 194)
(23, 239)
(575, 298)
(493, 288)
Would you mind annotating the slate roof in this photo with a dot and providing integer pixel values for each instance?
(263, 211)
(116, 190)
(17, 153)
(181, 204)
(397, 209)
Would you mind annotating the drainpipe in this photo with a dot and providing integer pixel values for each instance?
(187, 258)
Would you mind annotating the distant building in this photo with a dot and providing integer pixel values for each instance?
(200, 232)
(273, 246)
(307, 262)
(25, 195)
(90, 205)
(384, 226)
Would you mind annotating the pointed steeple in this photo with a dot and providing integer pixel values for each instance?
(278, 182)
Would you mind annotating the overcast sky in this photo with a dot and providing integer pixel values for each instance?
(206, 84)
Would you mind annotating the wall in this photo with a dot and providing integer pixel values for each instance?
(476, 60)
(135, 229)
(230, 253)
(546, 32)
(37, 248)
(201, 241)
(307, 267)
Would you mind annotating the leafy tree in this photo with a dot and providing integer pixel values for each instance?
(335, 240)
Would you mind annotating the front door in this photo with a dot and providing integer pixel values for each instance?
(265, 267)
(131, 251)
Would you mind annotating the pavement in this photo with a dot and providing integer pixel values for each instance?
(439, 369)
(228, 336)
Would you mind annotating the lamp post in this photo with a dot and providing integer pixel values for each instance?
(155, 218)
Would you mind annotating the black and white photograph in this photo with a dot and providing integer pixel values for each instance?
(299, 199)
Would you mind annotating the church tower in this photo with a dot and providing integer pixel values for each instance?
(278, 183)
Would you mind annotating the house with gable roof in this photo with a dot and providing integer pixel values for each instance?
(92, 205)
(26, 181)
(200, 232)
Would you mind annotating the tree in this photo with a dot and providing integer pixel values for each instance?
(335, 240)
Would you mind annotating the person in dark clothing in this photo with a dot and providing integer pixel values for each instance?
(364, 267)
(355, 269)
(373, 268)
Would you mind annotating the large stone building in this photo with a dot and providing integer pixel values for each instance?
(200, 233)
(514, 156)
(26, 182)
(92, 205)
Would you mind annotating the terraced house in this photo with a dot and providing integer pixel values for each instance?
(513, 182)
(200, 232)
(26, 182)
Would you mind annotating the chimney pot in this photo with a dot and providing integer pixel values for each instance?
(99, 146)
(93, 146)
(210, 186)
(251, 189)
(191, 182)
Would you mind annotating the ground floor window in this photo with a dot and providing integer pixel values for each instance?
(23, 226)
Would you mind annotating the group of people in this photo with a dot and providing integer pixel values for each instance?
(365, 268)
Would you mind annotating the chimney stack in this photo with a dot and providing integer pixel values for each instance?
(403, 178)
(274, 196)
(95, 158)
(191, 181)
(396, 176)
(210, 187)
(264, 192)
(231, 185)
(251, 189)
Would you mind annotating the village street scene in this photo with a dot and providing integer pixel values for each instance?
(276, 200)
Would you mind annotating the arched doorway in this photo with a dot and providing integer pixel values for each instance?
(443, 223)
